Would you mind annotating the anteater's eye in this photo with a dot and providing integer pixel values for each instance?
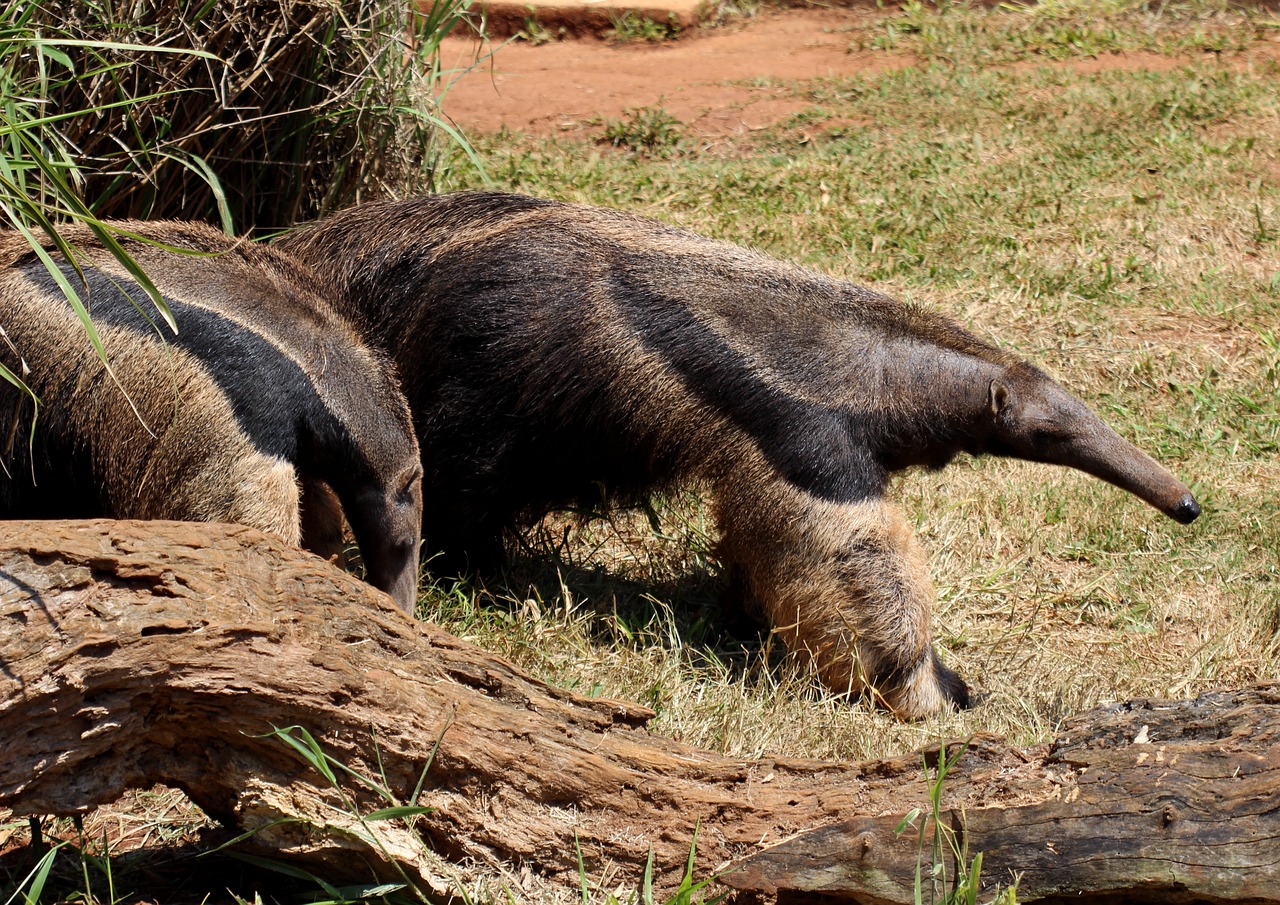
(1045, 435)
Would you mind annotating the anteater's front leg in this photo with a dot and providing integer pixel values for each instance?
(323, 522)
(847, 588)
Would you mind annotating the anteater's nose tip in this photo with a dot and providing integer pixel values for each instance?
(1186, 509)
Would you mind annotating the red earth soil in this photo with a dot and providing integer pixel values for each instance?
(569, 85)
(716, 81)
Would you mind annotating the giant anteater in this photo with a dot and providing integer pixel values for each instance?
(264, 402)
(549, 350)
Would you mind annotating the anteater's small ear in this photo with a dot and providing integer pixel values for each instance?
(998, 396)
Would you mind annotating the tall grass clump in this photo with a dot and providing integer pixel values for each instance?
(253, 113)
(41, 179)
(291, 108)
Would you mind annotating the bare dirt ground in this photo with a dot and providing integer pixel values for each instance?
(715, 81)
(718, 82)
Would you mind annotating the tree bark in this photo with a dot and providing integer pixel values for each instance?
(137, 653)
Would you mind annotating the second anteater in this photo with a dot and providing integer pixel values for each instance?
(556, 354)
(261, 408)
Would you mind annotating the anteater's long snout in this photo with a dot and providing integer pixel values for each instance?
(1101, 452)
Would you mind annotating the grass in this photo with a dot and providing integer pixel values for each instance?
(148, 839)
(962, 34)
(1116, 225)
(646, 130)
(631, 28)
(938, 844)
(1120, 227)
(535, 32)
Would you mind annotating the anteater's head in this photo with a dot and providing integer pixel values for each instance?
(1031, 417)
(372, 462)
(386, 518)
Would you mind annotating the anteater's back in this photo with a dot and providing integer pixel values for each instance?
(551, 351)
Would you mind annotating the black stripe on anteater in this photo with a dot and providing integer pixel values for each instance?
(809, 444)
(275, 403)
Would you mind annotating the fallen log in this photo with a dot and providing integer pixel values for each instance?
(137, 653)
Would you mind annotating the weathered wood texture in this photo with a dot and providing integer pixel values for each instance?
(140, 653)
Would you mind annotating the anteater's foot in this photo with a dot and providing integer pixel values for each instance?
(930, 687)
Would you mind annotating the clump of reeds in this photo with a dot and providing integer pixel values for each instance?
(295, 106)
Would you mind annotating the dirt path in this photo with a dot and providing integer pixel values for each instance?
(567, 85)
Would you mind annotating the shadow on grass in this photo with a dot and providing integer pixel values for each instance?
(175, 873)
(630, 581)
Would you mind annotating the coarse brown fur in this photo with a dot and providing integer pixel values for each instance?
(261, 408)
(556, 354)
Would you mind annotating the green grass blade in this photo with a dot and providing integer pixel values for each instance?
(582, 870)
(459, 140)
(46, 43)
(403, 810)
(31, 888)
(10, 128)
(249, 834)
(81, 212)
(308, 748)
(289, 870)
(365, 892)
(73, 296)
(431, 759)
(199, 165)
